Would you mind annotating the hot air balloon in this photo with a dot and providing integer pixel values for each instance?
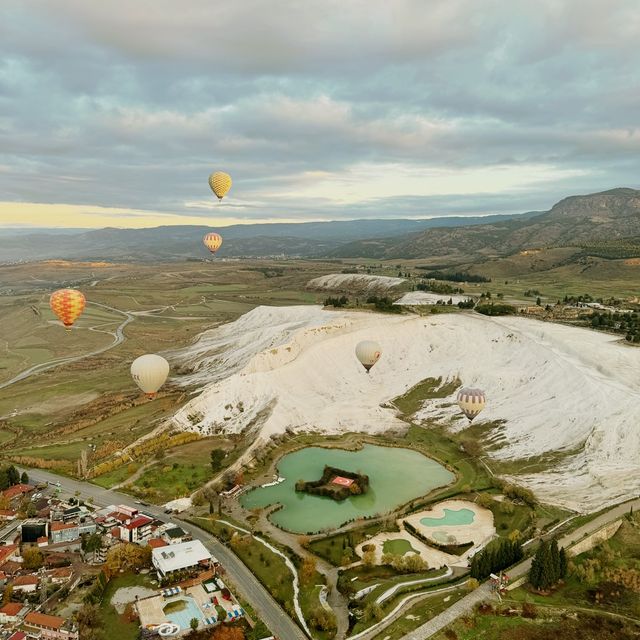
(220, 183)
(368, 352)
(471, 402)
(67, 304)
(150, 371)
(213, 241)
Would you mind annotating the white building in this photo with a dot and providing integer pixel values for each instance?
(185, 555)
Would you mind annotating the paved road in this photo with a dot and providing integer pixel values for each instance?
(468, 603)
(118, 337)
(244, 581)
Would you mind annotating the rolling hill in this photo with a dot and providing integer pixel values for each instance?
(574, 221)
(310, 239)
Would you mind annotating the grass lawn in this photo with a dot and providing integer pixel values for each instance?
(180, 472)
(334, 548)
(545, 626)
(115, 624)
(397, 547)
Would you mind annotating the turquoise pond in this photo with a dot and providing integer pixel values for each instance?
(395, 475)
(451, 517)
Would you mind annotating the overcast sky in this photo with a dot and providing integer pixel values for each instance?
(115, 112)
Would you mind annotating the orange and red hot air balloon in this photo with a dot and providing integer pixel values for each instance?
(67, 304)
(213, 241)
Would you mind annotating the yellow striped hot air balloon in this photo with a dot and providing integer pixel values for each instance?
(471, 402)
(213, 241)
(67, 304)
(220, 183)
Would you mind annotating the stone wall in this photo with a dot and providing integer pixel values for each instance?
(596, 538)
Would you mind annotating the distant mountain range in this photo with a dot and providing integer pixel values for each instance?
(575, 220)
(307, 239)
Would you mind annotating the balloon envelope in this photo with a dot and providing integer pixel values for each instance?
(220, 183)
(67, 304)
(213, 241)
(150, 372)
(471, 401)
(368, 353)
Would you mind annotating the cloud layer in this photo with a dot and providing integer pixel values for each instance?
(318, 109)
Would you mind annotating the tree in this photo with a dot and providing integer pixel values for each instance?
(193, 623)
(308, 569)
(32, 558)
(14, 475)
(562, 563)
(127, 557)
(31, 510)
(369, 558)
(217, 456)
(24, 478)
(8, 592)
(89, 622)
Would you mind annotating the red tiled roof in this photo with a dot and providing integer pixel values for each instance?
(42, 539)
(12, 608)
(42, 620)
(115, 532)
(23, 581)
(7, 552)
(138, 522)
(18, 635)
(59, 526)
(17, 490)
(156, 543)
(7, 513)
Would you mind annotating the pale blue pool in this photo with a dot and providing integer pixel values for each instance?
(184, 617)
(450, 518)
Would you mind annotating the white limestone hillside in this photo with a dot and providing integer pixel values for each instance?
(556, 387)
(420, 298)
(358, 281)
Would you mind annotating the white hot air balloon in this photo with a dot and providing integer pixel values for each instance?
(368, 353)
(150, 372)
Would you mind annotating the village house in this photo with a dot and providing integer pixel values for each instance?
(15, 493)
(181, 556)
(12, 612)
(50, 627)
(25, 584)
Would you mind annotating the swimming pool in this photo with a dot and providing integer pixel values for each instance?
(451, 517)
(183, 618)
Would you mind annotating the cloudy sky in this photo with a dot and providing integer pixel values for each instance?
(114, 113)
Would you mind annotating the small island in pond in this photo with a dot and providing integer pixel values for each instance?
(335, 483)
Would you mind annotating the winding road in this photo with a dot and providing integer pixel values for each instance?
(118, 338)
(245, 583)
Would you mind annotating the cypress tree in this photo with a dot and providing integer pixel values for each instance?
(13, 475)
(562, 563)
(554, 562)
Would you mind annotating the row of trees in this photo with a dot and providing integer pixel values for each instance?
(548, 566)
(457, 276)
(497, 556)
(626, 323)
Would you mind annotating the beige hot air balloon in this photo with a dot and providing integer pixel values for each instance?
(150, 372)
(213, 241)
(220, 183)
(471, 402)
(368, 352)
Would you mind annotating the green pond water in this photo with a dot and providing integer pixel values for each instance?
(395, 477)
(451, 517)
